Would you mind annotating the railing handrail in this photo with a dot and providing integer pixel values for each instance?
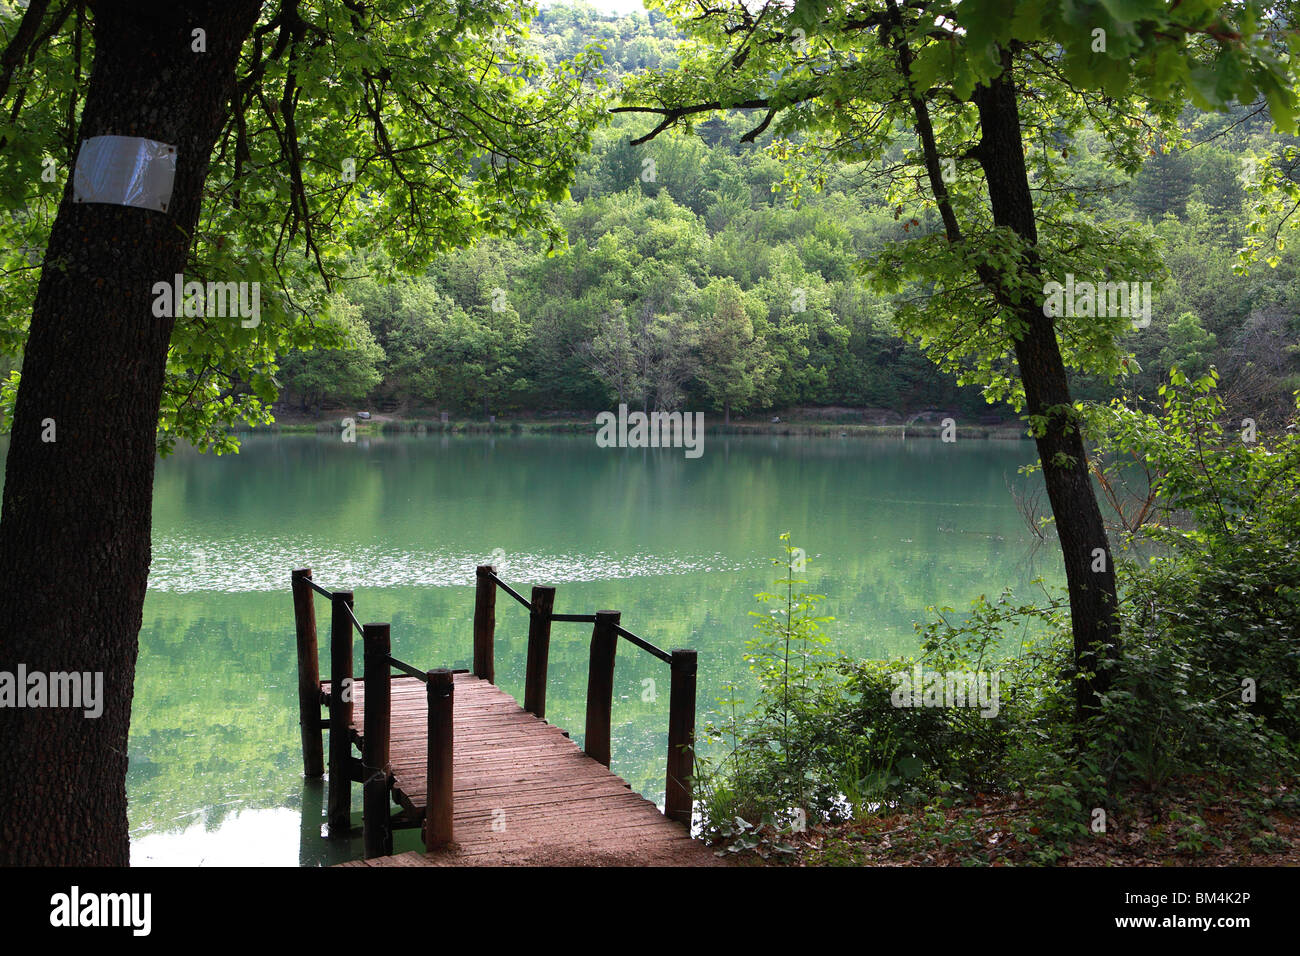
(583, 619)
(326, 592)
(642, 643)
(319, 589)
(373, 770)
(509, 590)
(411, 670)
(682, 668)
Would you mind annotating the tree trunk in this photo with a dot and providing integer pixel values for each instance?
(75, 532)
(1047, 392)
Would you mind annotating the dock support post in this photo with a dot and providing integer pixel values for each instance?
(439, 782)
(678, 803)
(313, 811)
(377, 830)
(304, 617)
(485, 623)
(600, 686)
(539, 649)
(339, 811)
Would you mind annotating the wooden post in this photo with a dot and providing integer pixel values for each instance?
(678, 802)
(600, 686)
(377, 831)
(485, 623)
(341, 687)
(313, 811)
(539, 648)
(304, 618)
(439, 782)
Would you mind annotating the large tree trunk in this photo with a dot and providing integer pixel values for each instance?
(1047, 392)
(74, 536)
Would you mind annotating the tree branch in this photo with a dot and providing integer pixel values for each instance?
(22, 39)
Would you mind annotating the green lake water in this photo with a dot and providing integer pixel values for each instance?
(679, 545)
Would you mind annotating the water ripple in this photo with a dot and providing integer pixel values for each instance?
(183, 565)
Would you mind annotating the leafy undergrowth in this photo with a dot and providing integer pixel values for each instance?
(1195, 823)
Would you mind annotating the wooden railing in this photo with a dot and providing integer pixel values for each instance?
(606, 630)
(373, 770)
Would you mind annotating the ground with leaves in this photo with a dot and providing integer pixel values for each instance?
(1196, 827)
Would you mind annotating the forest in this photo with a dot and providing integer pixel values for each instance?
(695, 279)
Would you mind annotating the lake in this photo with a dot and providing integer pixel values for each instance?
(679, 545)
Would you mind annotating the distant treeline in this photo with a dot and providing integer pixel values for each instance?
(693, 281)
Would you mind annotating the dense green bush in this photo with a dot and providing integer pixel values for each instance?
(1209, 680)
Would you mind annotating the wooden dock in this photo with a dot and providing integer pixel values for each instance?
(488, 781)
(523, 793)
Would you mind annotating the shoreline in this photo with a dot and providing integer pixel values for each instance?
(392, 425)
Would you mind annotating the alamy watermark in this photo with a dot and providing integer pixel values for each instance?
(652, 430)
(83, 690)
(921, 688)
(79, 909)
(1131, 300)
(215, 300)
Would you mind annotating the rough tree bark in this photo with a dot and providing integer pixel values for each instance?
(75, 528)
(1047, 392)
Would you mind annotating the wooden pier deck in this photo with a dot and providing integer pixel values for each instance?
(487, 781)
(524, 793)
